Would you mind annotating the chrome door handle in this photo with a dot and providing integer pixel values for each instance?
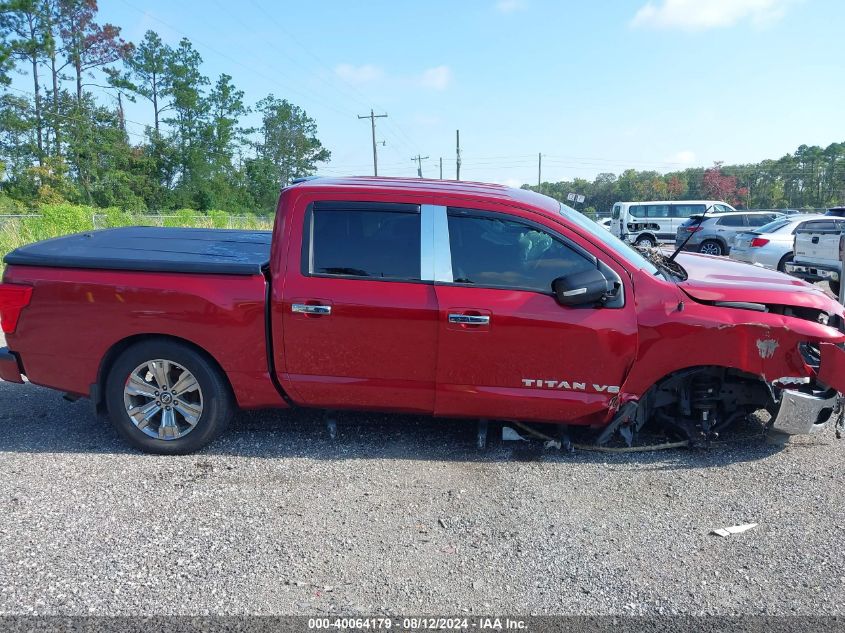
(304, 308)
(469, 319)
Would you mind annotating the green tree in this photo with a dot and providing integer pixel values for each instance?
(146, 74)
(25, 31)
(288, 149)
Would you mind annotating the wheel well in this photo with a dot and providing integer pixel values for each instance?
(114, 352)
(682, 391)
(784, 259)
(718, 240)
(647, 234)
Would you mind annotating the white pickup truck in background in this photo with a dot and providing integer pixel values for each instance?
(816, 251)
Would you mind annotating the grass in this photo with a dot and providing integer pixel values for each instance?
(53, 220)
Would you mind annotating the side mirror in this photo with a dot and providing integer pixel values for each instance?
(587, 287)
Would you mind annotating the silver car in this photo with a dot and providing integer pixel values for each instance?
(714, 234)
(771, 245)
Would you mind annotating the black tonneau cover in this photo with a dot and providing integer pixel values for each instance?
(147, 248)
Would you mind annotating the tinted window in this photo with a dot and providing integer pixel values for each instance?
(637, 211)
(657, 211)
(495, 252)
(686, 210)
(720, 208)
(817, 226)
(823, 225)
(365, 243)
(760, 220)
(616, 209)
(732, 220)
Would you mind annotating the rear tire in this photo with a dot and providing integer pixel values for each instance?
(784, 261)
(834, 287)
(711, 247)
(165, 397)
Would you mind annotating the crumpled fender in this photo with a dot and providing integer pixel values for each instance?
(832, 366)
(678, 333)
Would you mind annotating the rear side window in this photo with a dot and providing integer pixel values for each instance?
(657, 211)
(376, 241)
(488, 251)
(686, 210)
(760, 220)
(732, 220)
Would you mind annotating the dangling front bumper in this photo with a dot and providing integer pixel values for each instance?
(805, 412)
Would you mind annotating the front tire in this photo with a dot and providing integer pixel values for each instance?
(645, 242)
(711, 247)
(165, 397)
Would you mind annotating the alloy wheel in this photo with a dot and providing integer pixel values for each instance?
(163, 399)
(711, 248)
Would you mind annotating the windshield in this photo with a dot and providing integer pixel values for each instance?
(606, 237)
(773, 226)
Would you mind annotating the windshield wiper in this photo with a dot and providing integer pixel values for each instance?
(684, 243)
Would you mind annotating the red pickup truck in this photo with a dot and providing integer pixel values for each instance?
(454, 299)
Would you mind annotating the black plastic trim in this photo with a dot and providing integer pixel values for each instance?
(268, 343)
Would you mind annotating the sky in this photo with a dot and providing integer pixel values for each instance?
(594, 86)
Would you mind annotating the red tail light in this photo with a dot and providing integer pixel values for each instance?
(691, 229)
(13, 299)
(759, 241)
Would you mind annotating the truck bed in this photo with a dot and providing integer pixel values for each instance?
(154, 249)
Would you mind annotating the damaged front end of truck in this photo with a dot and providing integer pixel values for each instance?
(776, 345)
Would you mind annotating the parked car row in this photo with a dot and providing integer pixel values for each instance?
(801, 244)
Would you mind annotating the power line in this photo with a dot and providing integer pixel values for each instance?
(250, 68)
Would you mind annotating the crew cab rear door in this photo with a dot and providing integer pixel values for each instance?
(358, 317)
(506, 348)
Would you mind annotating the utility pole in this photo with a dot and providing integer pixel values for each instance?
(539, 173)
(372, 117)
(441, 168)
(419, 159)
(457, 154)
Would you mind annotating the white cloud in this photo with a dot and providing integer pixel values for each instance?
(511, 182)
(510, 6)
(698, 15)
(358, 74)
(685, 157)
(437, 78)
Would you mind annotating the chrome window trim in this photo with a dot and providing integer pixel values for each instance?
(435, 250)
(427, 262)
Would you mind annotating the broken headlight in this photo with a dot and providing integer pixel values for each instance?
(811, 354)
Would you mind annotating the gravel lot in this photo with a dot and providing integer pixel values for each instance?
(402, 515)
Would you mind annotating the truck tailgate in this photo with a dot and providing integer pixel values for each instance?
(818, 244)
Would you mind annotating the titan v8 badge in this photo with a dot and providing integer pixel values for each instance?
(566, 385)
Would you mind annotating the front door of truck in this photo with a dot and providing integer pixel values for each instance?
(359, 317)
(506, 348)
